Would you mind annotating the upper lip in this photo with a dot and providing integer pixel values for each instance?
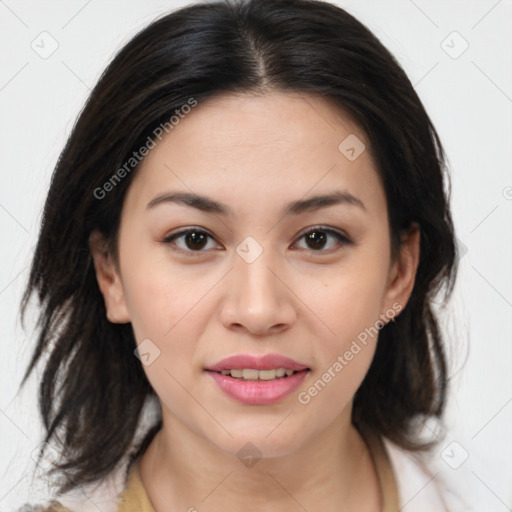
(266, 362)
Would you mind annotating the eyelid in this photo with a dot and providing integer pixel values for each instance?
(183, 231)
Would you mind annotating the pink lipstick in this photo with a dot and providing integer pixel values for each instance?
(258, 380)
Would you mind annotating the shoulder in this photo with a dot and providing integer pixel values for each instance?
(424, 484)
(102, 496)
(105, 495)
(53, 506)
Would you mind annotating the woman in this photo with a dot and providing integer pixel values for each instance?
(236, 267)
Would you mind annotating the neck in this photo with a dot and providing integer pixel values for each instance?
(186, 470)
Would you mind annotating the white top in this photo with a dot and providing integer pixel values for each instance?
(425, 484)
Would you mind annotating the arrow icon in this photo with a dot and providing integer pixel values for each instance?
(247, 252)
(454, 45)
(147, 352)
(351, 147)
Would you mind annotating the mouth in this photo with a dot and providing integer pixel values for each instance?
(258, 380)
(254, 374)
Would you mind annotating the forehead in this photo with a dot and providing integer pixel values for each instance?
(276, 120)
(241, 146)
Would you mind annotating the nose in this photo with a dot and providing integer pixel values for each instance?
(257, 298)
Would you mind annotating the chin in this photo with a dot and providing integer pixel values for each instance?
(259, 439)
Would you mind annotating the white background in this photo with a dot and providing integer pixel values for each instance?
(469, 99)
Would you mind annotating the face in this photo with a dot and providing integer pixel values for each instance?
(287, 253)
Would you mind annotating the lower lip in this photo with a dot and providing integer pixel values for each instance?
(258, 392)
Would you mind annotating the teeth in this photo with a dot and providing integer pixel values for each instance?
(252, 374)
(264, 374)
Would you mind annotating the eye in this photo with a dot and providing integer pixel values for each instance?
(190, 240)
(317, 238)
(195, 240)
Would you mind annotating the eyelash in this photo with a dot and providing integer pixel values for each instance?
(339, 236)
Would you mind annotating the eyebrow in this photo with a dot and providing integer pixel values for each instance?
(208, 205)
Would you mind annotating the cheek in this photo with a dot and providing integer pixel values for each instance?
(158, 294)
(348, 301)
(166, 307)
(167, 312)
(330, 391)
(351, 309)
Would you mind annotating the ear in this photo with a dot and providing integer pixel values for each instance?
(402, 273)
(108, 279)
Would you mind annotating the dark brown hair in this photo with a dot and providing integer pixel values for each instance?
(93, 387)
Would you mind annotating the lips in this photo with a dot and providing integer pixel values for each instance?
(258, 392)
(266, 362)
(258, 380)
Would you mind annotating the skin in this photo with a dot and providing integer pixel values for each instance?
(256, 153)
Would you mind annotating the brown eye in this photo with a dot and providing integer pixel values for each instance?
(189, 240)
(317, 239)
(195, 240)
